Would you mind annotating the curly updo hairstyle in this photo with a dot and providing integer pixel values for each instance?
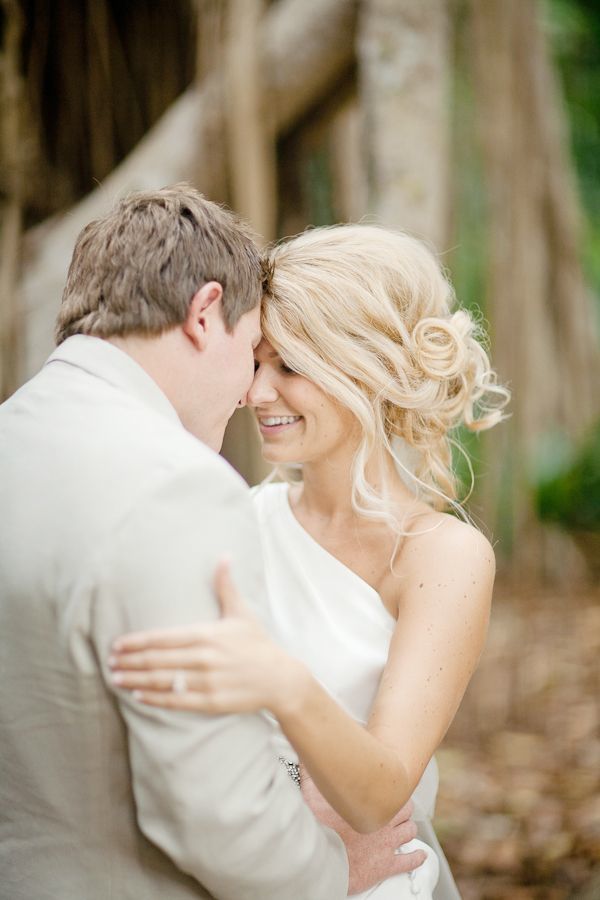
(366, 313)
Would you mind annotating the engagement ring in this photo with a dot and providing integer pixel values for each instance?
(179, 685)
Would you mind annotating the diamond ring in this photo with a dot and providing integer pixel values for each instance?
(179, 683)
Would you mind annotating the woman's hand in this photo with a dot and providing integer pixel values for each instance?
(230, 665)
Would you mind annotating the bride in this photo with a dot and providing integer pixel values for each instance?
(378, 597)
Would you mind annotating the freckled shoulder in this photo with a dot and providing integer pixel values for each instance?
(442, 552)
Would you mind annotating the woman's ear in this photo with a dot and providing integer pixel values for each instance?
(204, 306)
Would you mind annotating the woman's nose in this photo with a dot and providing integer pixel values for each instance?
(262, 390)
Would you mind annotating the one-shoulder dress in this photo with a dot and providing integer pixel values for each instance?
(325, 614)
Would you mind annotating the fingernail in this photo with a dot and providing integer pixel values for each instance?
(137, 695)
(112, 661)
(117, 677)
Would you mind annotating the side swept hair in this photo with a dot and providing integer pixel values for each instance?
(367, 314)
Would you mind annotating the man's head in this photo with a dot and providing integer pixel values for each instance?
(135, 270)
(175, 281)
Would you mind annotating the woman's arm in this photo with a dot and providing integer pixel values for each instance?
(365, 773)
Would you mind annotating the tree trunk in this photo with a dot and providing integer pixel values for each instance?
(404, 79)
(11, 211)
(539, 309)
(249, 124)
(304, 45)
(250, 142)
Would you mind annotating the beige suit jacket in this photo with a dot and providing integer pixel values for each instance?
(112, 518)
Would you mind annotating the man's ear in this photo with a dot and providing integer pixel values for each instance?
(204, 306)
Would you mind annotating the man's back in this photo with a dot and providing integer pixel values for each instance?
(98, 482)
(70, 465)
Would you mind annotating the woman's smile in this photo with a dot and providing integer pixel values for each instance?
(276, 395)
(272, 425)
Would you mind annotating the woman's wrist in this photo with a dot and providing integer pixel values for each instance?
(294, 683)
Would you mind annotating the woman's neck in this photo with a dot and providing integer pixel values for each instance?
(326, 492)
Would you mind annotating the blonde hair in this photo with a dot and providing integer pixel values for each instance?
(366, 313)
(136, 269)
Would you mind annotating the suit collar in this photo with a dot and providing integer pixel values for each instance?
(102, 359)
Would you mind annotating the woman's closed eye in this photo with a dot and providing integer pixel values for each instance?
(285, 369)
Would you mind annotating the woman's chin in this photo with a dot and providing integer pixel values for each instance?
(276, 455)
(272, 456)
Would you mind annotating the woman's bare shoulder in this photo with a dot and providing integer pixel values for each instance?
(432, 531)
(443, 551)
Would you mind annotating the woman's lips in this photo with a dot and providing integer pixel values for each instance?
(269, 425)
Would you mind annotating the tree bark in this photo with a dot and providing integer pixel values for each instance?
(543, 332)
(304, 45)
(11, 209)
(404, 81)
(249, 124)
(250, 141)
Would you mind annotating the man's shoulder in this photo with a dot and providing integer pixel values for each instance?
(154, 453)
(133, 432)
(103, 448)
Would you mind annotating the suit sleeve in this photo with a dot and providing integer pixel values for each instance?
(209, 790)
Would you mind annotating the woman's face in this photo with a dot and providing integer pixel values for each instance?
(298, 422)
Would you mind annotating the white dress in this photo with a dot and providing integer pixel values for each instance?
(325, 614)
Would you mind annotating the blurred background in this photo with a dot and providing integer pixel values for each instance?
(474, 124)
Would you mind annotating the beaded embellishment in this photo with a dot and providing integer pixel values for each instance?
(293, 769)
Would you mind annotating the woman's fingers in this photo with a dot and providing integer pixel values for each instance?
(188, 701)
(159, 637)
(197, 657)
(212, 703)
(232, 605)
(199, 692)
(212, 667)
(161, 680)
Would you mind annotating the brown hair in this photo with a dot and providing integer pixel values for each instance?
(136, 269)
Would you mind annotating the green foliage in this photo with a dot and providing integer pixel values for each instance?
(319, 187)
(574, 29)
(571, 496)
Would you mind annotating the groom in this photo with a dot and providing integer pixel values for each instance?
(114, 510)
